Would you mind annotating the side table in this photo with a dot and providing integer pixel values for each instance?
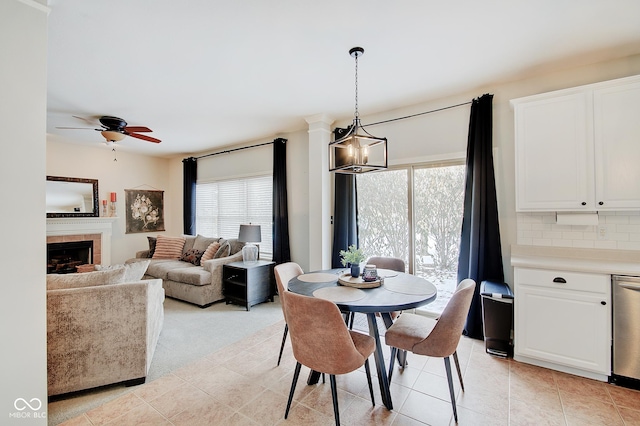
(248, 283)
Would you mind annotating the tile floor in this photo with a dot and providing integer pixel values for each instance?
(241, 385)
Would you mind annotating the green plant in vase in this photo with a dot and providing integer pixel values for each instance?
(352, 257)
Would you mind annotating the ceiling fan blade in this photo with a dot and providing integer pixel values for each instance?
(92, 122)
(137, 129)
(145, 138)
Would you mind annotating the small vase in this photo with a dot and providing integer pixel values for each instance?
(355, 270)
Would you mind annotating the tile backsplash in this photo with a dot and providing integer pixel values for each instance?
(615, 230)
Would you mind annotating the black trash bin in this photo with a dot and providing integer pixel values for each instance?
(497, 315)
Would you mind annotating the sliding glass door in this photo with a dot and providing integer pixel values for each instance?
(383, 213)
(415, 213)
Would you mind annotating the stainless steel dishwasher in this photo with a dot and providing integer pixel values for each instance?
(626, 327)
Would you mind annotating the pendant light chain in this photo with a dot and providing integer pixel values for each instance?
(357, 114)
(357, 151)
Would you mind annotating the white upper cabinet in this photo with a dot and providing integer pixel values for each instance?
(579, 149)
(617, 146)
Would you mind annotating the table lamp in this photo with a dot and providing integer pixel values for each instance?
(249, 234)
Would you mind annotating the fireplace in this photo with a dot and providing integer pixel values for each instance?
(63, 258)
(96, 229)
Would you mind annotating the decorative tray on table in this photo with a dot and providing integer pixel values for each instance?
(357, 282)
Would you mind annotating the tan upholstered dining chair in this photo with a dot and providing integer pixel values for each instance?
(434, 337)
(284, 273)
(322, 342)
(393, 263)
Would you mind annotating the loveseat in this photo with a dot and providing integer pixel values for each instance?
(184, 276)
(102, 328)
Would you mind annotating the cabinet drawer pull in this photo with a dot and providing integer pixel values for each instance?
(603, 303)
(559, 280)
(601, 203)
(584, 203)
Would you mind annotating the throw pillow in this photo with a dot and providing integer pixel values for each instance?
(192, 256)
(188, 243)
(210, 252)
(152, 245)
(168, 247)
(86, 279)
(224, 250)
(202, 243)
(133, 271)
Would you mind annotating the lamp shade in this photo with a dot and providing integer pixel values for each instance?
(249, 234)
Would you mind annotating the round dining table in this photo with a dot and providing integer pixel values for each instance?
(397, 291)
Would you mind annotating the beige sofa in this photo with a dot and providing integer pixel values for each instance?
(100, 329)
(197, 284)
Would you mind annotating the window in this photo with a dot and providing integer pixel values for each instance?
(221, 207)
(415, 213)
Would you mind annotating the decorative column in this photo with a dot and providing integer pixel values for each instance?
(319, 192)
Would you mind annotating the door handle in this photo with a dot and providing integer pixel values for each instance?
(629, 286)
(559, 280)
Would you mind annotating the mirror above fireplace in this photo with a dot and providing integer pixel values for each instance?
(72, 197)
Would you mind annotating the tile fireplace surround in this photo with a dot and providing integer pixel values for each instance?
(96, 229)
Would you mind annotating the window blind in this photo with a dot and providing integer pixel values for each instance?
(221, 207)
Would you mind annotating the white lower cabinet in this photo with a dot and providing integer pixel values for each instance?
(563, 321)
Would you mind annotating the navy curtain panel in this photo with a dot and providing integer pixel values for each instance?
(345, 214)
(281, 250)
(190, 174)
(480, 250)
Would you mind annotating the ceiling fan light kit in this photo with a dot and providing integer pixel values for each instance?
(358, 151)
(112, 136)
(115, 129)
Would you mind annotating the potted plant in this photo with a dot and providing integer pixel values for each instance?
(352, 257)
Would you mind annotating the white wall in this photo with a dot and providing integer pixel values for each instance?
(243, 163)
(132, 171)
(298, 196)
(23, 370)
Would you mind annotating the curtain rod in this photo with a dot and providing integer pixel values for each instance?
(227, 151)
(371, 124)
(415, 115)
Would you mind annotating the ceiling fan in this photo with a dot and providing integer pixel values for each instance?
(115, 129)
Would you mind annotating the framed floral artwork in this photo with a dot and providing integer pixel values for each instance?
(144, 211)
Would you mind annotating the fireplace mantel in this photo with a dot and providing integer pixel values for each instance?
(85, 225)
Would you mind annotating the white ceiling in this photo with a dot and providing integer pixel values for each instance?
(208, 73)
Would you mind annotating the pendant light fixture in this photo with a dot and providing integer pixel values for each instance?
(357, 151)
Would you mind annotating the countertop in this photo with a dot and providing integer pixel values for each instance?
(614, 262)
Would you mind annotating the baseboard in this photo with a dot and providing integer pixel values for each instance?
(562, 368)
